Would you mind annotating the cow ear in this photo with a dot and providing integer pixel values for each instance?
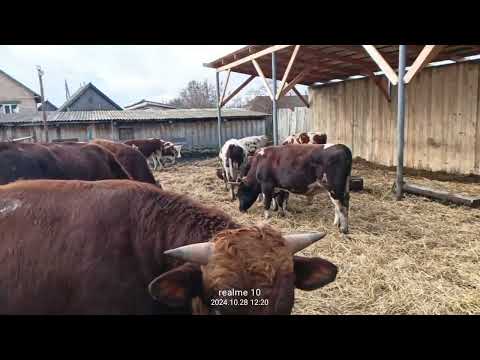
(177, 287)
(313, 273)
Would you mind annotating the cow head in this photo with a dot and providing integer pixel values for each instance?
(247, 194)
(249, 270)
(170, 152)
(319, 139)
(303, 138)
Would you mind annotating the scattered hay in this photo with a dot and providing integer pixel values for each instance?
(416, 256)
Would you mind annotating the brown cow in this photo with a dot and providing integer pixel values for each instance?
(306, 138)
(301, 169)
(157, 151)
(67, 161)
(132, 160)
(59, 255)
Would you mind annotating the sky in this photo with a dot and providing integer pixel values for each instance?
(126, 74)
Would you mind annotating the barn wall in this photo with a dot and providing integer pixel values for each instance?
(442, 130)
(198, 135)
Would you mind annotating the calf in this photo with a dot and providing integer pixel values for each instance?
(68, 161)
(132, 160)
(306, 138)
(299, 169)
(59, 255)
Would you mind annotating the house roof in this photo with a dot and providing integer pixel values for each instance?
(127, 115)
(144, 102)
(49, 104)
(82, 91)
(37, 97)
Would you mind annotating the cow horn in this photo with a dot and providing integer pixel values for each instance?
(198, 253)
(297, 242)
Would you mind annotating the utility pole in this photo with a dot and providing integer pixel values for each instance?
(67, 91)
(44, 114)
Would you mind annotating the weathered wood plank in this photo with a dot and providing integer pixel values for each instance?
(426, 56)
(253, 57)
(442, 195)
(382, 63)
(237, 90)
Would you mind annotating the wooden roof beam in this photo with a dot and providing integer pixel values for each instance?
(260, 72)
(425, 57)
(294, 82)
(257, 55)
(226, 85)
(287, 70)
(302, 98)
(237, 90)
(382, 63)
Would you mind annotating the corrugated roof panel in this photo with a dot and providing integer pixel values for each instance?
(127, 115)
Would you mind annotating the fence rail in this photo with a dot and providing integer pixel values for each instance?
(22, 139)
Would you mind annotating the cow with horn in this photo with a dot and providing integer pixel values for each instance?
(168, 254)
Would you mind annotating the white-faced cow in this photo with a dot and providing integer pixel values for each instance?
(299, 169)
(306, 138)
(234, 157)
(59, 254)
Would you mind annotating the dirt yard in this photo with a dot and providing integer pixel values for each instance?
(410, 257)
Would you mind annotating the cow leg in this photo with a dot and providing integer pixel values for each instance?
(341, 215)
(282, 199)
(157, 162)
(225, 179)
(286, 197)
(274, 205)
(260, 197)
(151, 163)
(267, 191)
(309, 200)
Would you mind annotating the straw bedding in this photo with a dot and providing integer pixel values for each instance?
(416, 256)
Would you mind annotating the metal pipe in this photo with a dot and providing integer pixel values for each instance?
(274, 101)
(401, 120)
(219, 112)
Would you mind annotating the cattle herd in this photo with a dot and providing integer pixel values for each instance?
(86, 229)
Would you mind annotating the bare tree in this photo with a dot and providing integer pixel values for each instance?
(196, 95)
